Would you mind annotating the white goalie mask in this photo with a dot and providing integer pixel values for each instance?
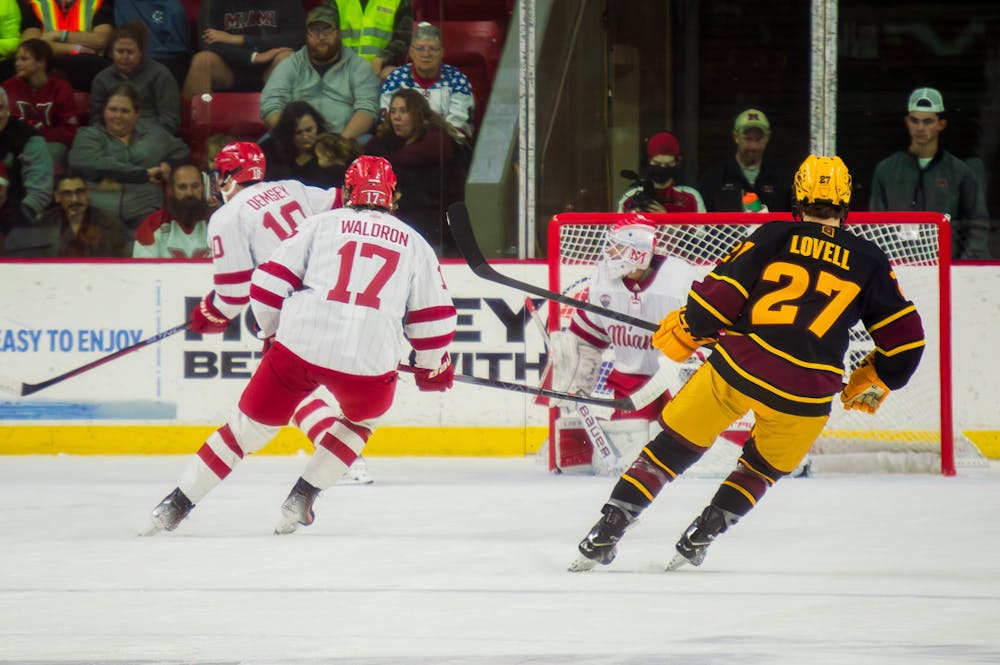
(629, 247)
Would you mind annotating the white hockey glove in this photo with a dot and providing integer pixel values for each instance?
(575, 365)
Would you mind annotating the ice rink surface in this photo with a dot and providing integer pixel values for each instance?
(459, 561)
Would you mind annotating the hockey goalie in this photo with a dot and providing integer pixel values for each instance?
(634, 278)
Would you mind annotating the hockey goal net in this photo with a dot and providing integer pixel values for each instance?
(913, 430)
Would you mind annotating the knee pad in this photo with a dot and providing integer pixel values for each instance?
(671, 453)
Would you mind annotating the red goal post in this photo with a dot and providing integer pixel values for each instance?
(913, 431)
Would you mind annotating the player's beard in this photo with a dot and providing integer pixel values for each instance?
(187, 211)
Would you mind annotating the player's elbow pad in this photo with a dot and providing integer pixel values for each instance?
(864, 391)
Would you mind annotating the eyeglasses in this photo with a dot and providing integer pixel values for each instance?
(425, 49)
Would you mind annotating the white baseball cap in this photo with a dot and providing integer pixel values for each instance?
(926, 99)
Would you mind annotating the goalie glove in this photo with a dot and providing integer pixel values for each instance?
(576, 365)
(864, 390)
(674, 337)
(206, 318)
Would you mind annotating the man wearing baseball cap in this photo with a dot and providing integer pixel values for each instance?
(659, 193)
(927, 177)
(726, 183)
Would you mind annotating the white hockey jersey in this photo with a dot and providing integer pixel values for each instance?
(246, 230)
(341, 293)
(650, 300)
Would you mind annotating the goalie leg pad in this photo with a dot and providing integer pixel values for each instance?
(662, 460)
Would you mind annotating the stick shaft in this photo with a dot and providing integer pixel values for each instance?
(461, 230)
(624, 404)
(30, 388)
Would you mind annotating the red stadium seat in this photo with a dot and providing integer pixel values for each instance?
(473, 65)
(437, 11)
(482, 37)
(233, 113)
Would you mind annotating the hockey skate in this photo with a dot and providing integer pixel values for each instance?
(357, 474)
(693, 545)
(169, 513)
(297, 508)
(601, 544)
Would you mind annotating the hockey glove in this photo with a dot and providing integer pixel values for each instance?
(674, 338)
(206, 319)
(864, 391)
(436, 380)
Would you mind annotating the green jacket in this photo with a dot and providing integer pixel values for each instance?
(947, 186)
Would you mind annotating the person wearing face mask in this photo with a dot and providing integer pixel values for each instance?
(664, 153)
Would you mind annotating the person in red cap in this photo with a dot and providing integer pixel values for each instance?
(659, 193)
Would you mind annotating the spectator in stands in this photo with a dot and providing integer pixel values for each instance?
(169, 31)
(377, 30)
(177, 231)
(335, 80)
(28, 165)
(724, 185)
(446, 88)
(210, 176)
(429, 157)
(242, 41)
(289, 149)
(159, 97)
(660, 193)
(334, 154)
(10, 36)
(927, 177)
(44, 102)
(78, 31)
(74, 228)
(125, 162)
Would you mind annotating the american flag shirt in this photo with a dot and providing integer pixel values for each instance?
(342, 293)
(246, 230)
(450, 94)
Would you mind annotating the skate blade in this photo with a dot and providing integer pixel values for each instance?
(581, 564)
(677, 562)
(352, 478)
(285, 527)
(151, 530)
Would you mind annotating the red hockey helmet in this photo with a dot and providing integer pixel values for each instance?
(240, 161)
(369, 182)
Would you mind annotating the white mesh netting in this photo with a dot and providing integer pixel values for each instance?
(906, 433)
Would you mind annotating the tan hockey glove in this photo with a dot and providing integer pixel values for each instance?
(864, 391)
(674, 339)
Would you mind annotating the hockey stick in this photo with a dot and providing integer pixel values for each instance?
(623, 403)
(461, 230)
(20, 389)
(598, 438)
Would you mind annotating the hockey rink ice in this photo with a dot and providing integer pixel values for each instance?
(455, 561)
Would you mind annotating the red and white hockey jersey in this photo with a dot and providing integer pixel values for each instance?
(246, 230)
(652, 299)
(348, 286)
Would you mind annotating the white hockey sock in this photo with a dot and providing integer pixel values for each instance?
(213, 462)
(335, 451)
(315, 418)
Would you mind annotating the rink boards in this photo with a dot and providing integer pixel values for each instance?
(165, 398)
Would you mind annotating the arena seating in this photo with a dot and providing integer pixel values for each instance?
(234, 113)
